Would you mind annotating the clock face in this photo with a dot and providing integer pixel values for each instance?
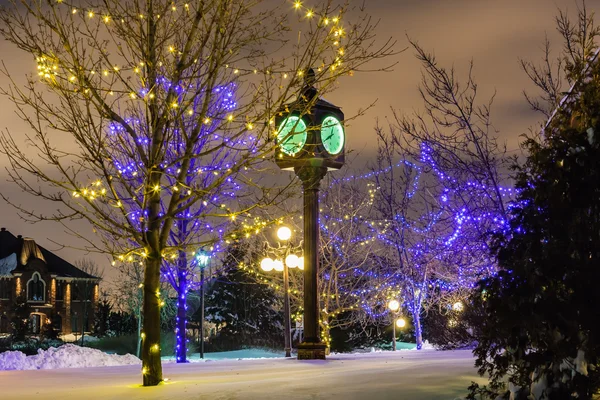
(291, 135)
(332, 135)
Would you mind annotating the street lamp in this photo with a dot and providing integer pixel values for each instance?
(202, 258)
(394, 306)
(289, 261)
(458, 306)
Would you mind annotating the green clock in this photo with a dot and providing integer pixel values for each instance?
(332, 135)
(291, 135)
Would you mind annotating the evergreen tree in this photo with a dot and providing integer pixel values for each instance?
(50, 330)
(538, 316)
(102, 316)
(246, 313)
(20, 320)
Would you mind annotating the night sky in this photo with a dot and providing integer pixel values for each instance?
(494, 33)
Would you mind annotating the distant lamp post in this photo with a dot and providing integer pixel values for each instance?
(394, 306)
(284, 234)
(202, 259)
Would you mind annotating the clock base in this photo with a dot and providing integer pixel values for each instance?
(312, 351)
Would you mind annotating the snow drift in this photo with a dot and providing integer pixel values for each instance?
(66, 356)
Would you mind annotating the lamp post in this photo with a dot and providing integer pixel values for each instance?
(203, 258)
(289, 261)
(310, 140)
(394, 306)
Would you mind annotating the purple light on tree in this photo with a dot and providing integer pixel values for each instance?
(200, 220)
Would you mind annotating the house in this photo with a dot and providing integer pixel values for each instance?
(51, 289)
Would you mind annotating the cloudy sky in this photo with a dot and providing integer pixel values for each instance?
(494, 33)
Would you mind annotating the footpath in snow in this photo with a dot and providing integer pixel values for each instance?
(411, 375)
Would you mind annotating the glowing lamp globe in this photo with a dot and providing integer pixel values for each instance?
(394, 305)
(400, 322)
(458, 306)
(278, 265)
(301, 263)
(267, 264)
(284, 233)
(292, 261)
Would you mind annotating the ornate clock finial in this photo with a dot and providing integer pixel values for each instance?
(309, 92)
(310, 78)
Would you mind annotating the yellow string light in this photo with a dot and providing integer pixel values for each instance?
(298, 6)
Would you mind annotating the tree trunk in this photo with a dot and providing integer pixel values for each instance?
(418, 330)
(139, 331)
(180, 334)
(151, 365)
(84, 312)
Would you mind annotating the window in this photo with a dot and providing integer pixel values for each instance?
(75, 322)
(81, 291)
(76, 292)
(4, 323)
(36, 288)
(60, 291)
(57, 322)
(35, 321)
(5, 288)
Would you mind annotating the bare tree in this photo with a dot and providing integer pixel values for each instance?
(431, 240)
(555, 77)
(86, 290)
(352, 279)
(128, 290)
(139, 67)
(455, 137)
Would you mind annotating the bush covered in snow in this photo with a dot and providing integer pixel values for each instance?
(28, 346)
(67, 356)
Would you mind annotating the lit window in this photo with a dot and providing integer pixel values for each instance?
(36, 288)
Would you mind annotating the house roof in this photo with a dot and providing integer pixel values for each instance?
(11, 244)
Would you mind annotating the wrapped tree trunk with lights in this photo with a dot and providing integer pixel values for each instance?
(135, 85)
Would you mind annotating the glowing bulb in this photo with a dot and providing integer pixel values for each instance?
(292, 260)
(458, 306)
(284, 233)
(400, 322)
(301, 263)
(278, 265)
(266, 264)
(394, 305)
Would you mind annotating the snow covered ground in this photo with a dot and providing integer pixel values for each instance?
(246, 354)
(411, 375)
(66, 356)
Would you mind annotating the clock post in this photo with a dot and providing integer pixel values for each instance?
(310, 141)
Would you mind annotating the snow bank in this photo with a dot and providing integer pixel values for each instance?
(67, 356)
(77, 338)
